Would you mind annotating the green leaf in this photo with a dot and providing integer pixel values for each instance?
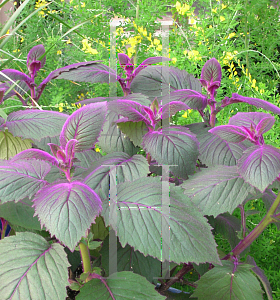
(139, 222)
(134, 130)
(121, 285)
(226, 283)
(94, 245)
(31, 268)
(20, 213)
(99, 230)
(113, 140)
(130, 260)
(11, 145)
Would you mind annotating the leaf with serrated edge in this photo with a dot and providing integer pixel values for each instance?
(139, 222)
(129, 169)
(175, 145)
(84, 125)
(31, 268)
(67, 210)
(225, 283)
(131, 260)
(35, 124)
(260, 166)
(230, 133)
(11, 145)
(217, 190)
(21, 179)
(118, 286)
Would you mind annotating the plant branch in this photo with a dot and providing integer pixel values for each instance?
(257, 230)
(186, 268)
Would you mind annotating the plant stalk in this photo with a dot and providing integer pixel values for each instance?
(85, 258)
(256, 232)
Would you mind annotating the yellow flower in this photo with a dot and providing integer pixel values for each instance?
(83, 4)
(223, 6)
(145, 32)
(159, 48)
(185, 115)
(15, 3)
(149, 37)
(68, 42)
(60, 109)
(210, 26)
(156, 41)
(174, 60)
(262, 91)
(231, 35)
(97, 149)
(194, 54)
(17, 50)
(214, 10)
(222, 18)
(192, 21)
(58, 52)
(8, 31)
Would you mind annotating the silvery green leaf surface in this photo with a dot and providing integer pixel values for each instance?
(154, 81)
(230, 133)
(21, 179)
(11, 74)
(84, 125)
(127, 169)
(31, 268)
(217, 190)
(119, 286)
(67, 210)
(113, 140)
(131, 260)
(86, 159)
(213, 150)
(175, 145)
(227, 283)
(11, 145)
(139, 222)
(35, 124)
(260, 166)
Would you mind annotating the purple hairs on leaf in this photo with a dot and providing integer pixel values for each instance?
(230, 133)
(33, 62)
(211, 75)
(123, 59)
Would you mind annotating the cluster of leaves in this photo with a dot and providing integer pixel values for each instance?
(211, 170)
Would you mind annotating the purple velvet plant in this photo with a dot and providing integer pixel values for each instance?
(59, 192)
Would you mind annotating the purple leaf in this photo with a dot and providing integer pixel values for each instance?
(20, 89)
(149, 61)
(67, 210)
(230, 133)
(211, 75)
(34, 55)
(142, 99)
(193, 99)
(21, 179)
(84, 125)
(171, 108)
(217, 190)
(175, 145)
(14, 75)
(260, 166)
(154, 81)
(265, 125)
(35, 153)
(132, 110)
(35, 124)
(123, 59)
(69, 69)
(235, 98)
(246, 119)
